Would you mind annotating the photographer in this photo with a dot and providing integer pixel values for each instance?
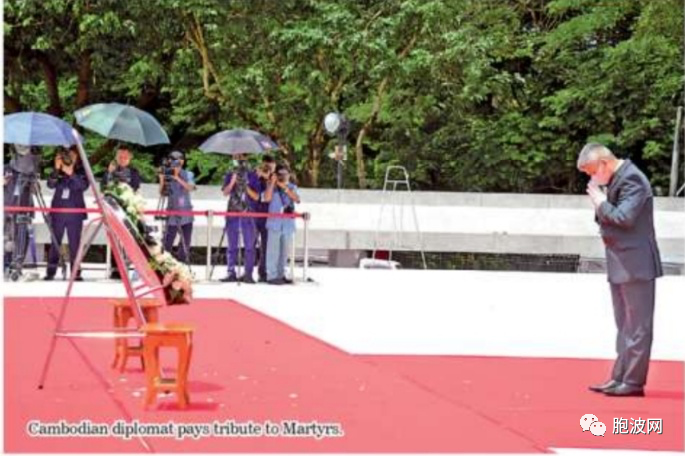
(121, 171)
(69, 183)
(264, 173)
(281, 194)
(176, 184)
(242, 188)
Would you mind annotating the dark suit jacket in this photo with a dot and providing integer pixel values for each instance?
(626, 222)
(131, 174)
(69, 191)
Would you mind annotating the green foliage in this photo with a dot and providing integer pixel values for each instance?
(470, 95)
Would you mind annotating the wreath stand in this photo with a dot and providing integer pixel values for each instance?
(119, 239)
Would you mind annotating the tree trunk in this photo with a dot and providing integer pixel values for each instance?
(12, 104)
(50, 76)
(85, 72)
(359, 155)
(316, 145)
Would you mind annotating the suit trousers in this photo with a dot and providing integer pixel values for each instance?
(72, 226)
(634, 314)
(263, 237)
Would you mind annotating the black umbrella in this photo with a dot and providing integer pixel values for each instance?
(237, 142)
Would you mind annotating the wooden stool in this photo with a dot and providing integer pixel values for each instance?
(122, 314)
(158, 335)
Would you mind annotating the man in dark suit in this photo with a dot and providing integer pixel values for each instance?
(625, 214)
(120, 170)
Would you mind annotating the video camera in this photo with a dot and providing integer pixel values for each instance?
(237, 200)
(25, 161)
(168, 166)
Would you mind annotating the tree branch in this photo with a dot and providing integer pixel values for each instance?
(375, 110)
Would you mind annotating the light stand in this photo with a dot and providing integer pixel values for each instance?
(336, 124)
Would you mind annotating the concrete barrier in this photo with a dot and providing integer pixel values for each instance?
(348, 220)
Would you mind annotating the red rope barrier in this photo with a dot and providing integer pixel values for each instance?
(64, 210)
(56, 210)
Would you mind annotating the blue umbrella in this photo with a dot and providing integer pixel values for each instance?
(122, 122)
(37, 129)
(239, 141)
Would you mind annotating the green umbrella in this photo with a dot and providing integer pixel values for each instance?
(122, 122)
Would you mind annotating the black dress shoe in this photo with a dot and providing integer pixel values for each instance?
(248, 280)
(625, 390)
(48, 278)
(604, 386)
(275, 282)
(230, 278)
(287, 281)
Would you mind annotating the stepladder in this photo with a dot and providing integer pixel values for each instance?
(398, 222)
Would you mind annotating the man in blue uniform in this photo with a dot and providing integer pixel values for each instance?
(242, 188)
(281, 194)
(69, 183)
(176, 184)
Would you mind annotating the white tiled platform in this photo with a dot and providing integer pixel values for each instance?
(437, 312)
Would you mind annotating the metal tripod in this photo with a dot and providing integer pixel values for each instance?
(161, 204)
(19, 227)
(215, 260)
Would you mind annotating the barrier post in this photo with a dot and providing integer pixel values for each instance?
(305, 242)
(292, 260)
(108, 260)
(210, 225)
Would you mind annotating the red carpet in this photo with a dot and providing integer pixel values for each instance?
(544, 399)
(247, 366)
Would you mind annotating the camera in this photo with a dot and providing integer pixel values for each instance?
(121, 175)
(289, 210)
(265, 170)
(168, 166)
(66, 157)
